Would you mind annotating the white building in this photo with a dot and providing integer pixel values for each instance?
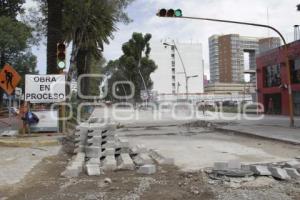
(165, 80)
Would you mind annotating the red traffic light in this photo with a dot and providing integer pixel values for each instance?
(169, 13)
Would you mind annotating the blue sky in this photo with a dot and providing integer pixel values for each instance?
(282, 15)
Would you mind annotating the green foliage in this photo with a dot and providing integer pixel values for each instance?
(134, 65)
(14, 37)
(89, 24)
(11, 8)
(25, 63)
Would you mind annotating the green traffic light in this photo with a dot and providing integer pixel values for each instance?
(61, 64)
(178, 13)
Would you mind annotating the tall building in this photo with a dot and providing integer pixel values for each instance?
(226, 56)
(169, 77)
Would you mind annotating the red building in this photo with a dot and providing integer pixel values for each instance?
(272, 79)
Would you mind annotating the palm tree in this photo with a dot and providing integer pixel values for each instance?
(89, 24)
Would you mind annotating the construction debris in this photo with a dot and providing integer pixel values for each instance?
(99, 149)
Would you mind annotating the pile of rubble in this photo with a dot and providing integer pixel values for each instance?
(99, 149)
(281, 171)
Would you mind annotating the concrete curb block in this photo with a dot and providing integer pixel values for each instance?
(160, 158)
(260, 170)
(279, 173)
(147, 169)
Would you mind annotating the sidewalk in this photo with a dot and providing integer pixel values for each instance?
(271, 127)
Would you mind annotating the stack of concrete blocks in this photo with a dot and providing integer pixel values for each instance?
(100, 148)
(75, 166)
(124, 160)
(81, 137)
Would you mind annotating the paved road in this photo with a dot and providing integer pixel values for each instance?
(272, 127)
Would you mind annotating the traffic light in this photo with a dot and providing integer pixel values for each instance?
(169, 13)
(61, 55)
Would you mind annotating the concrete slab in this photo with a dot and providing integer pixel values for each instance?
(139, 148)
(221, 166)
(142, 159)
(17, 162)
(260, 170)
(293, 164)
(279, 173)
(124, 161)
(293, 173)
(147, 169)
(109, 163)
(202, 150)
(159, 158)
(234, 164)
(93, 169)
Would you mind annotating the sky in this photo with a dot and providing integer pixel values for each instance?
(282, 15)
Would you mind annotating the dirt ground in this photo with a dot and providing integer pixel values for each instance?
(44, 182)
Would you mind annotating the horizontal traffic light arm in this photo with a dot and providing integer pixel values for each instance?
(233, 22)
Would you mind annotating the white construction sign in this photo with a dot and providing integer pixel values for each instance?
(45, 88)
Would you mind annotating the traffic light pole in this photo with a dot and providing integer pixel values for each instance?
(287, 63)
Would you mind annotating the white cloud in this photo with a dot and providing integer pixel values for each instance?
(282, 15)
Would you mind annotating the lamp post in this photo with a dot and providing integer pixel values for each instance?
(287, 64)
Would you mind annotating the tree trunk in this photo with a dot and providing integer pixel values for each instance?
(82, 62)
(54, 33)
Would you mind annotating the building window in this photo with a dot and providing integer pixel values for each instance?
(295, 70)
(272, 76)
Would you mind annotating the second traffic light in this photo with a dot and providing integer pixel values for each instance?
(61, 55)
(169, 13)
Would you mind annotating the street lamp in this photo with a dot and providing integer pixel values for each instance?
(287, 63)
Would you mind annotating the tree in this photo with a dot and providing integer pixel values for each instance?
(16, 36)
(133, 66)
(14, 39)
(25, 63)
(89, 24)
(11, 8)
